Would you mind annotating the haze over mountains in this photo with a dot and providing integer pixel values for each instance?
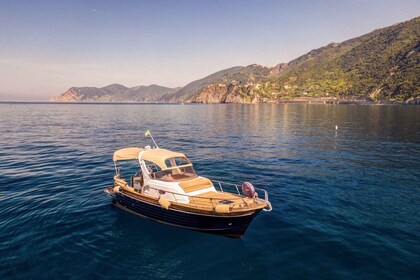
(379, 66)
(114, 93)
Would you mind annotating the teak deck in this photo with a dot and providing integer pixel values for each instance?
(206, 203)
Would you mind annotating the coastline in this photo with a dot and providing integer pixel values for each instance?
(348, 101)
(281, 101)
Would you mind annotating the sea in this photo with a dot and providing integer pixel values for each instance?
(343, 180)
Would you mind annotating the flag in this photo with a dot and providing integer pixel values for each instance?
(147, 133)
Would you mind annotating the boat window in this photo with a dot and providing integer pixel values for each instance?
(186, 169)
(176, 161)
(179, 169)
(152, 167)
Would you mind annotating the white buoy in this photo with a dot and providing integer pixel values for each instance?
(336, 127)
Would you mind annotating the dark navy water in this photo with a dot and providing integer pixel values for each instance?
(346, 201)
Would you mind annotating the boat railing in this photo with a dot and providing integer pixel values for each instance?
(224, 185)
(219, 185)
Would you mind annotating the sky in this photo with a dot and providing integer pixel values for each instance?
(47, 47)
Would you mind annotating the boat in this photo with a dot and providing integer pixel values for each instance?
(167, 189)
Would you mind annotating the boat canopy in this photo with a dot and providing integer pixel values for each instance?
(127, 153)
(159, 156)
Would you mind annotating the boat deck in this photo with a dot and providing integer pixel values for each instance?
(209, 200)
(195, 184)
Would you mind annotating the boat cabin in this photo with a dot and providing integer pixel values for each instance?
(162, 174)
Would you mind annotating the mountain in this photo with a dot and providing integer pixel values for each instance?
(114, 93)
(150, 93)
(218, 87)
(381, 65)
(190, 90)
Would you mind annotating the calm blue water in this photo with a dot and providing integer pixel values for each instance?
(346, 202)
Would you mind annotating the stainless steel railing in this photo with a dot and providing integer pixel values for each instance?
(259, 191)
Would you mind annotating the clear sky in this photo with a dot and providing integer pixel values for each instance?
(48, 46)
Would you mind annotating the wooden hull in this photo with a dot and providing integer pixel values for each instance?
(230, 226)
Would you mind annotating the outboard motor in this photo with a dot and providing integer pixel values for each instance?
(248, 189)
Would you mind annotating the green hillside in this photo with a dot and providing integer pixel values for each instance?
(382, 65)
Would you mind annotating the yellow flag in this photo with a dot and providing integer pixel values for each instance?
(147, 133)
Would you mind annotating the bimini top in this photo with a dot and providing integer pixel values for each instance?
(127, 153)
(158, 156)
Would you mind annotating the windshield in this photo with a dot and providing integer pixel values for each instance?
(178, 169)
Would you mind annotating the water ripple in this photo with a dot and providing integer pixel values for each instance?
(346, 202)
